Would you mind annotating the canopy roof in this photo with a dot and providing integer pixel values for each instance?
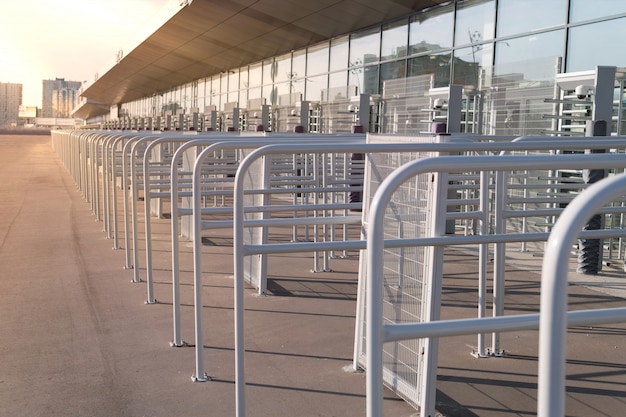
(206, 37)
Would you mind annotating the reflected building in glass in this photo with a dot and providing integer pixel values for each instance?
(504, 53)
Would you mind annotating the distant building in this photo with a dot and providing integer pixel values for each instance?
(27, 116)
(10, 101)
(59, 97)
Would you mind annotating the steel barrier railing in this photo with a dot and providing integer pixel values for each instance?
(180, 187)
(242, 249)
(378, 332)
(86, 156)
(199, 224)
(553, 304)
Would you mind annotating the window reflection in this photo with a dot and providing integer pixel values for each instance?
(394, 40)
(254, 93)
(298, 64)
(516, 16)
(596, 44)
(339, 53)
(224, 84)
(243, 78)
(393, 70)
(256, 75)
(269, 71)
(233, 85)
(437, 64)
(468, 63)
(475, 22)
(528, 48)
(282, 68)
(315, 86)
(243, 98)
(365, 79)
(338, 79)
(282, 89)
(317, 59)
(581, 10)
(431, 31)
(364, 47)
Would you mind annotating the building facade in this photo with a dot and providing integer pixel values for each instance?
(487, 46)
(59, 97)
(10, 101)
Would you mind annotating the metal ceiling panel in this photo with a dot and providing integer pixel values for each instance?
(209, 36)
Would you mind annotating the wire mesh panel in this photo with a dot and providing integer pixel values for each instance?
(406, 277)
(516, 97)
(404, 103)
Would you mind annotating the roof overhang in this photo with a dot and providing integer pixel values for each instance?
(206, 37)
(88, 109)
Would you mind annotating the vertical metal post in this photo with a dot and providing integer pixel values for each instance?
(304, 116)
(266, 201)
(554, 281)
(590, 251)
(364, 111)
(482, 261)
(455, 108)
(499, 257)
(200, 375)
(238, 269)
(433, 273)
(236, 121)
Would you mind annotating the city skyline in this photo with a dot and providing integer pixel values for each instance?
(70, 39)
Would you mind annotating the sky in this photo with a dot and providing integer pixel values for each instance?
(70, 39)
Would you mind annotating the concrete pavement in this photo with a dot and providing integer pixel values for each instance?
(78, 339)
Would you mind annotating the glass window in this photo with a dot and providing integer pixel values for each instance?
(431, 31)
(365, 79)
(269, 71)
(233, 80)
(202, 86)
(256, 75)
(233, 86)
(338, 79)
(468, 63)
(528, 48)
(298, 64)
(282, 68)
(296, 85)
(317, 59)
(215, 86)
(315, 86)
(243, 78)
(475, 22)
(392, 71)
(254, 93)
(224, 82)
(596, 44)
(438, 64)
(394, 40)
(233, 96)
(283, 89)
(339, 53)
(515, 17)
(581, 10)
(222, 100)
(243, 98)
(365, 46)
(269, 93)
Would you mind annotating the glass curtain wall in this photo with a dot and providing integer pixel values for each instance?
(468, 42)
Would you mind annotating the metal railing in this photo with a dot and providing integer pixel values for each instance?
(377, 332)
(103, 162)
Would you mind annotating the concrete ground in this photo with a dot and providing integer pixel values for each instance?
(78, 339)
